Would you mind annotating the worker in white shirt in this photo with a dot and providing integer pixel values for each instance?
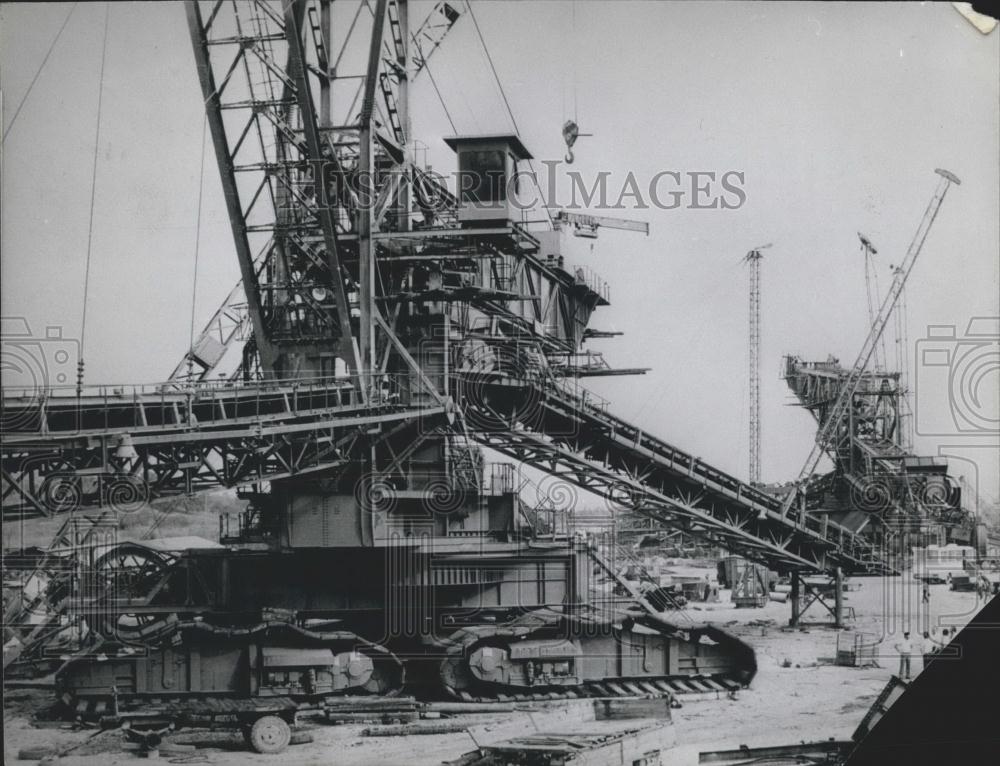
(905, 650)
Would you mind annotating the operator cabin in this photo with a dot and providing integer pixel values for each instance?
(489, 186)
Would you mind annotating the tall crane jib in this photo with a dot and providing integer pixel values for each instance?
(833, 428)
(393, 343)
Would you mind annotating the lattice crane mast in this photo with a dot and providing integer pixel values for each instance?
(753, 258)
(231, 324)
(829, 431)
(869, 252)
(431, 33)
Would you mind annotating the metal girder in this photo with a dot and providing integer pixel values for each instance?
(827, 436)
(293, 13)
(212, 96)
(866, 445)
(112, 446)
(365, 223)
(273, 155)
(229, 325)
(593, 222)
(564, 434)
(61, 478)
(535, 451)
(65, 477)
(430, 34)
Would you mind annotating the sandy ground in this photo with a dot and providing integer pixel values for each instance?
(797, 694)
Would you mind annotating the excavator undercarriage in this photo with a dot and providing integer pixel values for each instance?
(555, 655)
(197, 661)
(203, 655)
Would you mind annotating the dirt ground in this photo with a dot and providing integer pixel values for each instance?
(798, 693)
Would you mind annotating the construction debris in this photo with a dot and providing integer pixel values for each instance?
(436, 727)
(642, 744)
(368, 709)
(804, 753)
(857, 650)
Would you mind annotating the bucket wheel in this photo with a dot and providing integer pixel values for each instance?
(126, 573)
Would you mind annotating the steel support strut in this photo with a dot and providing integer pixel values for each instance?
(210, 93)
(296, 59)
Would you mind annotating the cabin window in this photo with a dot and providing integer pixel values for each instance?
(483, 176)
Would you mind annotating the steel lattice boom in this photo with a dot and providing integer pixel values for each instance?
(827, 437)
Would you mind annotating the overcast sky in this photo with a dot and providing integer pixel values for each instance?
(836, 115)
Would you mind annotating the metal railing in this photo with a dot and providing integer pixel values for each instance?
(820, 528)
(184, 405)
(584, 275)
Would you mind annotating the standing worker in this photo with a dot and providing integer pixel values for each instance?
(905, 649)
(927, 594)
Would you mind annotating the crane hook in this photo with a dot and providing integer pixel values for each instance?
(571, 132)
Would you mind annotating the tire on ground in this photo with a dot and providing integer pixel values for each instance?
(270, 734)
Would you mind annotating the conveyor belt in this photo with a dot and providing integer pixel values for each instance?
(120, 446)
(569, 434)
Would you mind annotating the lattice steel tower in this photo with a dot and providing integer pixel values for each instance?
(753, 258)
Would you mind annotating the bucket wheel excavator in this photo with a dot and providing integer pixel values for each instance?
(388, 340)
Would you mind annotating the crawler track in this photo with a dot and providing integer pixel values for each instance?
(698, 659)
(194, 668)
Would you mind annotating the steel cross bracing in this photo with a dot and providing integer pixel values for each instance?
(831, 432)
(287, 170)
(754, 258)
(299, 170)
(229, 325)
(884, 476)
(121, 446)
(47, 588)
(429, 35)
(563, 433)
(874, 416)
(514, 276)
